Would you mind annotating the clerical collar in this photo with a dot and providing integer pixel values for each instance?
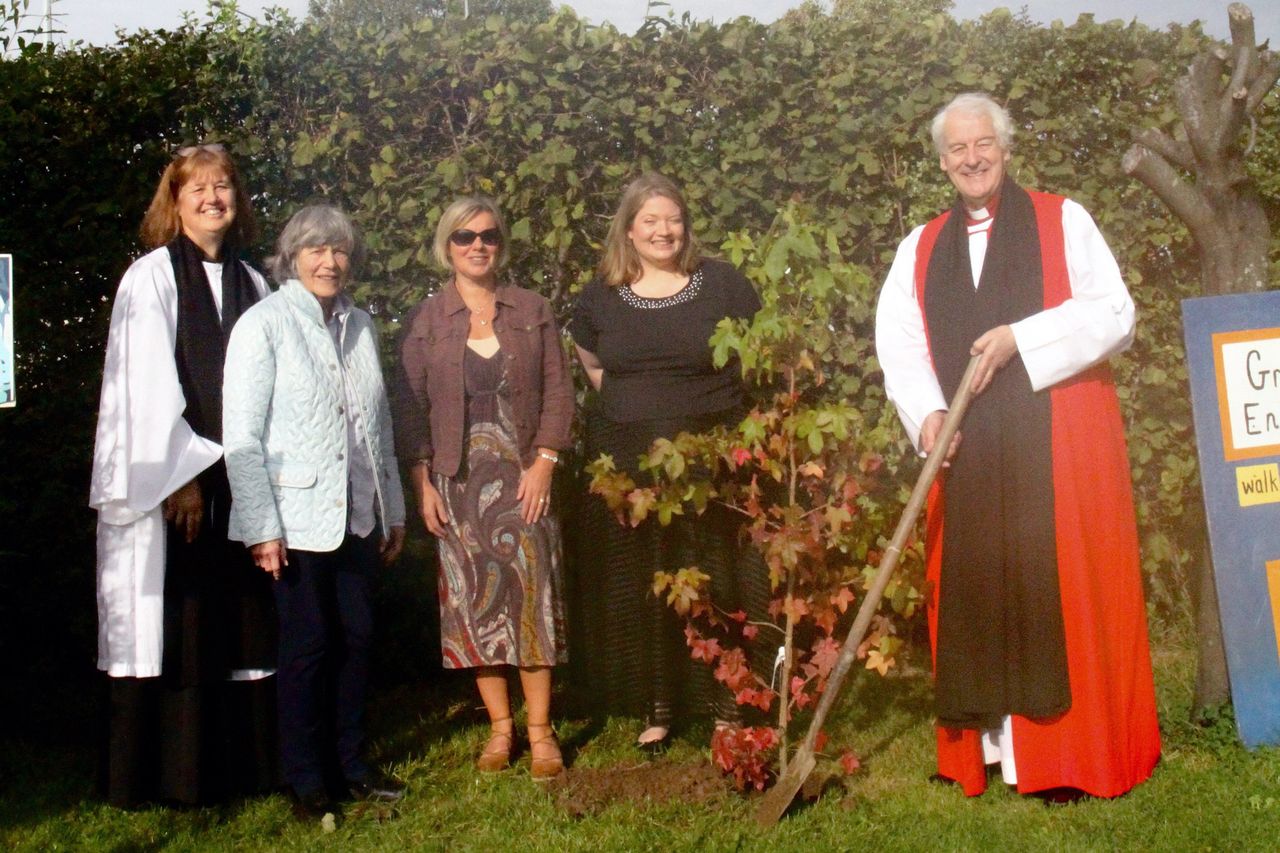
(983, 215)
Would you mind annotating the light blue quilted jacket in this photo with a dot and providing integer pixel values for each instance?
(284, 427)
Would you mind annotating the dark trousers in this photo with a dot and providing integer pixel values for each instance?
(326, 623)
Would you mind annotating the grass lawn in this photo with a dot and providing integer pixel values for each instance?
(1207, 793)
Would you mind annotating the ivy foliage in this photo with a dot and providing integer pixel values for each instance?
(392, 116)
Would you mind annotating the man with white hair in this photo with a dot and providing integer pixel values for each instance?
(1036, 610)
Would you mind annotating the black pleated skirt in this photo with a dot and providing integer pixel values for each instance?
(628, 648)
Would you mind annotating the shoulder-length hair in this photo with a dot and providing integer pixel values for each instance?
(314, 225)
(161, 223)
(620, 263)
(460, 213)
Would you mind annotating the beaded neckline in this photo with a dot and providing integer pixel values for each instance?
(684, 294)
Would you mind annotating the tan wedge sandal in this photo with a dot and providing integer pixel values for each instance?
(542, 769)
(496, 756)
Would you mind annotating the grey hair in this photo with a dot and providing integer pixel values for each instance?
(974, 104)
(314, 225)
(460, 213)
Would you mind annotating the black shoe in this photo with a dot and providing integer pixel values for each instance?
(1061, 796)
(377, 789)
(312, 808)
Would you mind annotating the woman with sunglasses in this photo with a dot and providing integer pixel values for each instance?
(484, 407)
(186, 633)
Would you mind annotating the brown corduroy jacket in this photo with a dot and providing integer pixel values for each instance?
(428, 405)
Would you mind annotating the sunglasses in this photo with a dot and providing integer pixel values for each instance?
(465, 237)
(211, 147)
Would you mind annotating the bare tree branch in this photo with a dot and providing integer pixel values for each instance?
(1240, 20)
(1268, 74)
(1253, 135)
(1193, 94)
(1178, 193)
(1175, 151)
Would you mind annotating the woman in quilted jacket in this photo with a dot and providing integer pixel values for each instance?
(316, 497)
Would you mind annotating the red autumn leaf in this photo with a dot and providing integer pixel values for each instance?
(722, 743)
(798, 696)
(850, 490)
(733, 670)
(761, 699)
(744, 754)
(850, 763)
(820, 742)
(750, 631)
(705, 650)
(738, 616)
(842, 599)
(741, 456)
(825, 653)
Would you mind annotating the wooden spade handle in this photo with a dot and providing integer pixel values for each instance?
(890, 559)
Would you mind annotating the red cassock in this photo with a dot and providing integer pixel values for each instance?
(1109, 740)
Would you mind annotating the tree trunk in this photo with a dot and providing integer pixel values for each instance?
(1213, 686)
(1216, 100)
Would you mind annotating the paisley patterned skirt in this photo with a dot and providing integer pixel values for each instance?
(501, 597)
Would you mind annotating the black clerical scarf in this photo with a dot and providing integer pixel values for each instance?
(216, 617)
(1000, 647)
(201, 343)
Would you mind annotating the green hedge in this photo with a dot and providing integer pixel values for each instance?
(552, 116)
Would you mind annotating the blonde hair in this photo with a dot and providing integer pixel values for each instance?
(161, 223)
(460, 213)
(620, 263)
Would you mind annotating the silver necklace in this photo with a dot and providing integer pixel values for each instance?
(476, 312)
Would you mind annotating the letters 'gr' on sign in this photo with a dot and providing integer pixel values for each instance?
(1233, 362)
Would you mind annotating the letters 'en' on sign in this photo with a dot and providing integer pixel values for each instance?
(1233, 361)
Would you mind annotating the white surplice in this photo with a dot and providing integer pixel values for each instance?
(143, 452)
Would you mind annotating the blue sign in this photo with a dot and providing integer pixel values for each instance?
(1233, 358)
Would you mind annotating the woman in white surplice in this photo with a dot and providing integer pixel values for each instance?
(185, 622)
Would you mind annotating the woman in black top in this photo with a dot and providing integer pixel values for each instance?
(642, 330)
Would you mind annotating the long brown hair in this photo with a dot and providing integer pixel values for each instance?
(161, 223)
(620, 263)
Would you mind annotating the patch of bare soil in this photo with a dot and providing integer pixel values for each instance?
(589, 790)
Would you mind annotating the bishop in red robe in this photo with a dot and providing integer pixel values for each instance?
(1036, 610)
